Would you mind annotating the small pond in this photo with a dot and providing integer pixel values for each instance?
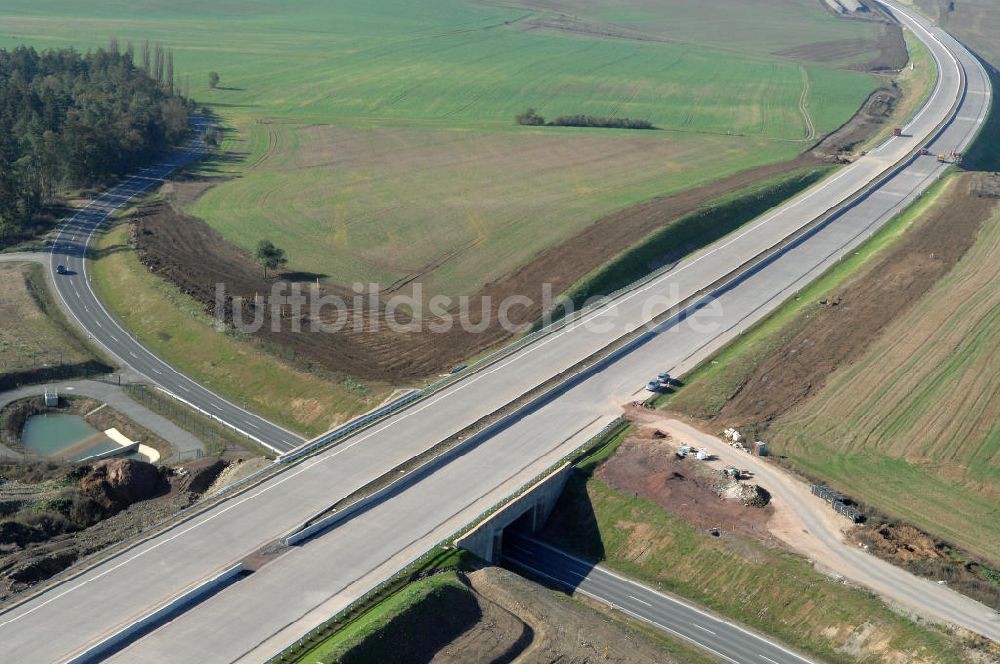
(67, 437)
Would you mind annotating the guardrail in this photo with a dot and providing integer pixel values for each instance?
(593, 443)
(106, 646)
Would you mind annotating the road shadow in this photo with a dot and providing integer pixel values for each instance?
(95, 254)
(297, 276)
(87, 369)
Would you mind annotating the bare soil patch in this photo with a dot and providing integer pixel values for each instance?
(187, 252)
(53, 514)
(841, 326)
(646, 465)
(915, 550)
(866, 122)
(891, 46)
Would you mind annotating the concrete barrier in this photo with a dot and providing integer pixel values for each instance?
(106, 646)
(486, 539)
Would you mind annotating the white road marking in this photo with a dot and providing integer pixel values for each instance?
(768, 659)
(704, 629)
(641, 601)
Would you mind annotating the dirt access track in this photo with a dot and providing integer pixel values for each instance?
(185, 251)
(807, 525)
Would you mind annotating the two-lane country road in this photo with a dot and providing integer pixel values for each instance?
(720, 637)
(70, 250)
(258, 614)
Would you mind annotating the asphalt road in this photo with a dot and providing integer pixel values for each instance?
(259, 614)
(720, 637)
(77, 296)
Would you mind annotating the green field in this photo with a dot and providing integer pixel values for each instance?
(37, 342)
(375, 141)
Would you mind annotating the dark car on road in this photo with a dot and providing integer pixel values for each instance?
(61, 269)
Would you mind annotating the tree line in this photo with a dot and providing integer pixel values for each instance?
(533, 119)
(71, 119)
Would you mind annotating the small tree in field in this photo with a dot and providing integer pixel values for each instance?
(531, 118)
(213, 79)
(270, 256)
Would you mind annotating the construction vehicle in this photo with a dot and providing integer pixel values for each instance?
(952, 157)
(732, 471)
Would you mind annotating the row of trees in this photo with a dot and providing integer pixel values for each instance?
(75, 120)
(533, 119)
(155, 60)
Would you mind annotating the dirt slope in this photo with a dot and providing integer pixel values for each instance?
(841, 328)
(186, 251)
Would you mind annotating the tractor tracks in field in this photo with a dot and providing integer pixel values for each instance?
(804, 105)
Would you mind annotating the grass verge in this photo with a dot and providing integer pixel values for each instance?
(37, 341)
(916, 85)
(177, 329)
(691, 232)
(433, 573)
(766, 588)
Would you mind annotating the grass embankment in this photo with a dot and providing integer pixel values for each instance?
(766, 588)
(393, 612)
(693, 231)
(424, 616)
(37, 342)
(708, 387)
(984, 153)
(176, 328)
(356, 144)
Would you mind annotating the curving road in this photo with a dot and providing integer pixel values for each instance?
(262, 612)
(78, 298)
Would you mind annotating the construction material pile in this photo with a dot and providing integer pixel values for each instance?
(750, 495)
